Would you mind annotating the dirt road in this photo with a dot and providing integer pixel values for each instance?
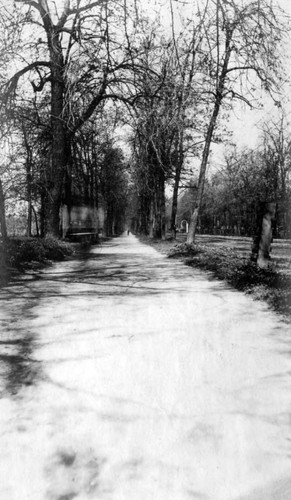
(128, 376)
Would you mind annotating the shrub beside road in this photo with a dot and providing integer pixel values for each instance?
(28, 253)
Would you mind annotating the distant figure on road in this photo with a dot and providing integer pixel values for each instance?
(128, 232)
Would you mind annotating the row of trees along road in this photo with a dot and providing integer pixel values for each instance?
(71, 68)
(74, 58)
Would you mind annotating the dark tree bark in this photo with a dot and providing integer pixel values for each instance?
(262, 241)
(151, 218)
(28, 179)
(2, 215)
(35, 220)
(178, 171)
(160, 209)
(58, 158)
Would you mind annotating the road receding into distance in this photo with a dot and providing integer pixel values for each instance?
(125, 375)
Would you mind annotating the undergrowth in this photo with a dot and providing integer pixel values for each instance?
(23, 253)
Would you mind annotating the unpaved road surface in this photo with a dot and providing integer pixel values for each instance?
(127, 376)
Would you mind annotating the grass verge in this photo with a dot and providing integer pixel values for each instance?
(272, 285)
(31, 253)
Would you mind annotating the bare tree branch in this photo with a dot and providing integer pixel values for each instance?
(89, 6)
(12, 83)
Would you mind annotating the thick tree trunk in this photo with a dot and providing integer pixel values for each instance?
(175, 199)
(42, 213)
(163, 209)
(28, 179)
(59, 146)
(2, 215)
(58, 165)
(36, 221)
(29, 218)
(179, 164)
(160, 215)
(151, 219)
(261, 247)
(174, 213)
(144, 214)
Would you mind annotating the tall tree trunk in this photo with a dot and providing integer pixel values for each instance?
(261, 247)
(175, 196)
(174, 207)
(36, 221)
(67, 209)
(217, 103)
(144, 214)
(29, 218)
(42, 214)
(151, 219)
(58, 164)
(59, 146)
(160, 215)
(113, 226)
(28, 178)
(163, 207)
(202, 174)
(2, 215)
(29, 209)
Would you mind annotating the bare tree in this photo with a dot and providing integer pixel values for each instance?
(82, 60)
(240, 52)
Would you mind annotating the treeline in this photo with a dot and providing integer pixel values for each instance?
(237, 190)
(96, 178)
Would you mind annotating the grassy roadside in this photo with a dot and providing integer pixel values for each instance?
(225, 263)
(31, 253)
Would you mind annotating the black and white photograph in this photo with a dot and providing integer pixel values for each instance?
(145, 249)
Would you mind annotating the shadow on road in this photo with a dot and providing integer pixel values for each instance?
(18, 368)
(108, 273)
